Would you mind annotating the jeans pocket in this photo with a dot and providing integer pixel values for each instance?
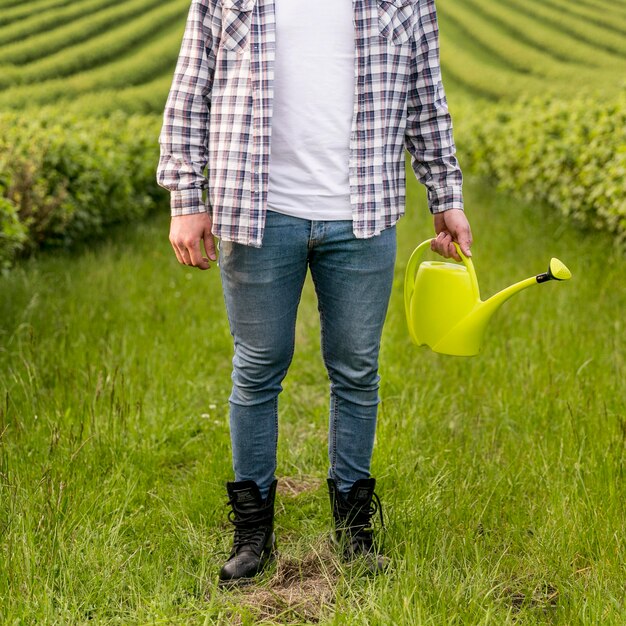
(236, 23)
(397, 19)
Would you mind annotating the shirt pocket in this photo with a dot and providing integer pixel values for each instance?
(397, 19)
(236, 24)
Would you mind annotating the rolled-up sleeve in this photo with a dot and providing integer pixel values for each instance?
(183, 139)
(428, 137)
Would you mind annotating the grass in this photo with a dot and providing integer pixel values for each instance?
(502, 476)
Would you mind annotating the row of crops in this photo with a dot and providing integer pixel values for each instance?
(501, 50)
(494, 50)
(66, 63)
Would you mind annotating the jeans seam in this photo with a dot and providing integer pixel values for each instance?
(333, 462)
(333, 399)
(275, 433)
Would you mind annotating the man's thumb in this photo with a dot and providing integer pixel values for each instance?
(465, 242)
(209, 245)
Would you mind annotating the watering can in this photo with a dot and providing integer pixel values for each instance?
(443, 306)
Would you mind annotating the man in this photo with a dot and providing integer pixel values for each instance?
(300, 112)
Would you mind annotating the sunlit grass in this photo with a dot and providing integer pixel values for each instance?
(502, 476)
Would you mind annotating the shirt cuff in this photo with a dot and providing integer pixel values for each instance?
(445, 198)
(186, 202)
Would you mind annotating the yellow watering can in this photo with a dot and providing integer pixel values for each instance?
(443, 306)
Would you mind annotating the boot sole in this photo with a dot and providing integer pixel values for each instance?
(244, 581)
(236, 582)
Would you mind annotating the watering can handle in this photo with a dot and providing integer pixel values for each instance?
(413, 264)
(411, 271)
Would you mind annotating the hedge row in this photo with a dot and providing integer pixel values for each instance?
(65, 179)
(13, 10)
(46, 20)
(110, 67)
(608, 17)
(144, 99)
(155, 58)
(525, 26)
(577, 26)
(569, 154)
(129, 22)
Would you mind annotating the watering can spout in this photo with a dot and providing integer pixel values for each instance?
(443, 305)
(465, 338)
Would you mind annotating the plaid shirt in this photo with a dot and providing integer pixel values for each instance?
(219, 111)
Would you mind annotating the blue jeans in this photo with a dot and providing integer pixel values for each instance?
(262, 288)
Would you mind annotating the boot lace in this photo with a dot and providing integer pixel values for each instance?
(250, 528)
(361, 525)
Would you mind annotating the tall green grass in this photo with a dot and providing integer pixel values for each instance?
(502, 476)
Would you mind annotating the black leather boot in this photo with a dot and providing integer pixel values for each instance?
(352, 516)
(254, 540)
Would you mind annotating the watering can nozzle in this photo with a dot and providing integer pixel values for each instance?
(557, 270)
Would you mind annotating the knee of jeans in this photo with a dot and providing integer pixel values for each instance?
(257, 375)
(357, 382)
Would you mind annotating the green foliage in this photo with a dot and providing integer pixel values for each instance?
(156, 58)
(527, 28)
(73, 45)
(147, 98)
(496, 54)
(46, 20)
(571, 155)
(109, 57)
(13, 233)
(481, 77)
(577, 26)
(13, 10)
(66, 178)
(521, 56)
(608, 17)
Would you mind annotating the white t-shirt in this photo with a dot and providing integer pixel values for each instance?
(313, 107)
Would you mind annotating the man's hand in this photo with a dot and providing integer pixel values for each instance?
(452, 225)
(186, 233)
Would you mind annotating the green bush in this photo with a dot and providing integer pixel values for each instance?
(13, 233)
(571, 155)
(65, 178)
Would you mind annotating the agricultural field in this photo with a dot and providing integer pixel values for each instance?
(501, 476)
(60, 53)
(505, 50)
(97, 55)
(62, 63)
